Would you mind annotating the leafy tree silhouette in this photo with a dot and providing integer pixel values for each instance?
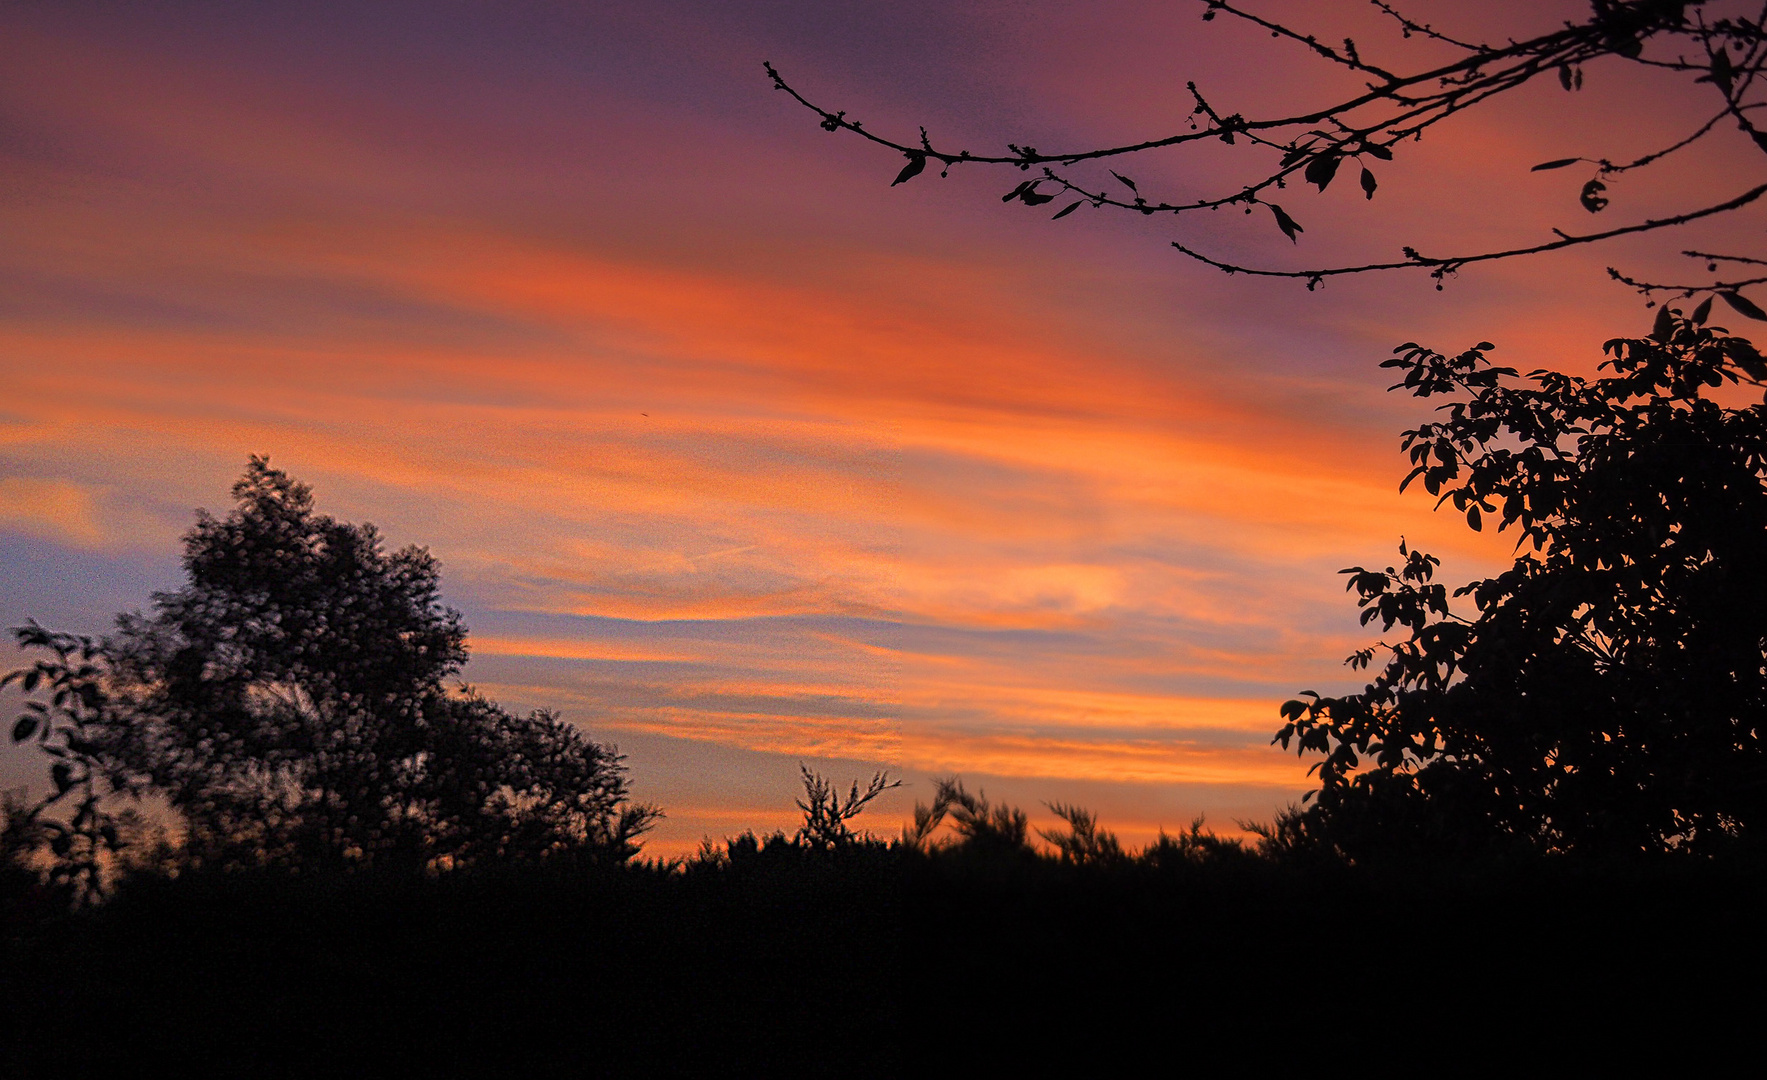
(1722, 45)
(288, 703)
(1609, 692)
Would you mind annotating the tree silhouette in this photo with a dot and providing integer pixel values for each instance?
(288, 703)
(1609, 692)
(1716, 43)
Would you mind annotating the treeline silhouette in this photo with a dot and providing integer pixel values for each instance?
(274, 841)
(969, 945)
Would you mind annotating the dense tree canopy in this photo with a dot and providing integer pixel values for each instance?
(289, 704)
(1608, 692)
(1719, 43)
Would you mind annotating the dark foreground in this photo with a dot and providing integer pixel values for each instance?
(880, 962)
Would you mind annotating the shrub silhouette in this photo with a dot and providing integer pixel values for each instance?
(1082, 841)
(826, 813)
(982, 827)
(288, 704)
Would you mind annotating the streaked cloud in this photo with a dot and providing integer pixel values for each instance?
(729, 450)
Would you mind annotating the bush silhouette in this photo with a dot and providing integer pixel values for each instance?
(826, 813)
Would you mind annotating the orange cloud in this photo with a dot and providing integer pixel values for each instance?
(710, 449)
(53, 508)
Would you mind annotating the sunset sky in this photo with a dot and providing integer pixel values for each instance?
(734, 454)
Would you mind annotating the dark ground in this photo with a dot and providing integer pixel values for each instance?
(881, 964)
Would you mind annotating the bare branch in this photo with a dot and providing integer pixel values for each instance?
(1729, 53)
(1568, 42)
(1348, 57)
(1443, 266)
(1651, 158)
(1410, 26)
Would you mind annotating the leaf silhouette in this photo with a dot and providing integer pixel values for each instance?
(1068, 209)
(1592, 198)
(1744, 356)
(1722, 72)
(1321, 169)
(1743, 305)
(1556, 164)
(1664, 327)
(1701, 313)
(1368, 183)
(916, 162)
(1130, 184)
(1287, 224)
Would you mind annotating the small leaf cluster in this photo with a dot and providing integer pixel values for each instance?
(76, 722)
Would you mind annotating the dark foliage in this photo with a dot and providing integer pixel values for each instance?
(1609, 693)
(288, 704)
(870, 959)
(1722, 45)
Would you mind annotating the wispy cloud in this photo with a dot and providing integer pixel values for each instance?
(718, 438)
